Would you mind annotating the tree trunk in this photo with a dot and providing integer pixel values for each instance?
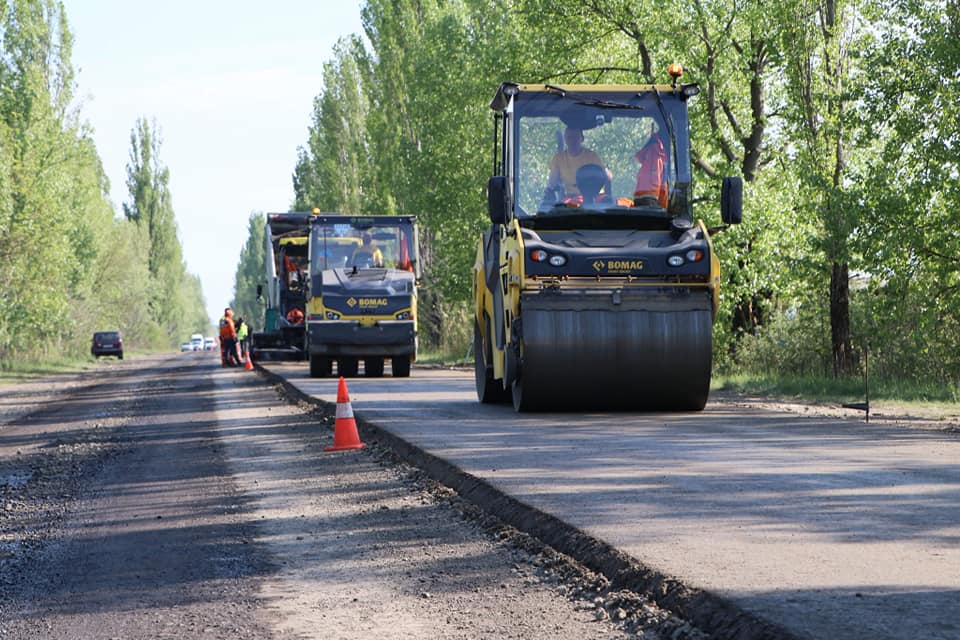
(430, 322)
(747, 317)
(840, 319)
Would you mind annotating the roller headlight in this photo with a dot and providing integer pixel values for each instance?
(404, 315)
(554, 259)
(333, 315)
(678, 260)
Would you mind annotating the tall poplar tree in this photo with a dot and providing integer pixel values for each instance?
(52, 185)
(818, 46)
(175, 299)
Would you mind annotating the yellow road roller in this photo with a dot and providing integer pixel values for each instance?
(594, 285)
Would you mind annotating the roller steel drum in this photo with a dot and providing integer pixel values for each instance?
(625, 349)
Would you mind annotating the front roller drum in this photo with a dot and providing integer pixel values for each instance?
(646, 351)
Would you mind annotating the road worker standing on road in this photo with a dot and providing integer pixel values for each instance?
(242, 332)
(228, 340)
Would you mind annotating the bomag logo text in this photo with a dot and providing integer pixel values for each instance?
(366, 302)
(372, 302)
(618, 266)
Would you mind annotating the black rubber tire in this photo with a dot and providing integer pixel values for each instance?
(489, 390)
(320, 366)
(373, 367)
(400, 366)
(523, 402)
(348, 367)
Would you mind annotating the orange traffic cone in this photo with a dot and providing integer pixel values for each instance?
(345, 434)
(248, 365)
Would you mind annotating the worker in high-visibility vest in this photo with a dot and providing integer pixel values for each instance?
(228, 340)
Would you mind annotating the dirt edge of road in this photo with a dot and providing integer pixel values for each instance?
(626, 582)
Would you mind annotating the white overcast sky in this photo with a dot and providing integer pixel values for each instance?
(231, 87)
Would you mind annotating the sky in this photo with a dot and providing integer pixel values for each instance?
(230, 85)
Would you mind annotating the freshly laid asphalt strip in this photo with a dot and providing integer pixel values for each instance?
(711, 613)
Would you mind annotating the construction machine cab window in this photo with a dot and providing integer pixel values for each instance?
(293, 262)
(359, 245)
(642, 140)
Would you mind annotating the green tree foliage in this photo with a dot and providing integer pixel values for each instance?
(336, 152)
(820, 90)
(68, 266)
(910, 306)
(252, 273)
(176, 301)
(39, 136)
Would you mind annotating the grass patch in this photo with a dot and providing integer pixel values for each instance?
(821, 389)
(19, 371)
(24, 370)
(445, 358)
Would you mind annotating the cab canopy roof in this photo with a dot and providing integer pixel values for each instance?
(361, 222)
(284, 223)
(612, 92)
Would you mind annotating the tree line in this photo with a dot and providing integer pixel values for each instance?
(69, 264)
(840, 115)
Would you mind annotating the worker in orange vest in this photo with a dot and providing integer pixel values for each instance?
(228, 340)
(652, 158)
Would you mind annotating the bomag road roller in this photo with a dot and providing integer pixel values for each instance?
(362, 294)
(594, 286)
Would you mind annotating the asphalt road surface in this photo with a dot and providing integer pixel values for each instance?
(828, 527)
(166, 497)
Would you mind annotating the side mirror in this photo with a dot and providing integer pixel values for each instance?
(731, 200)
(259, 292)
(497, 199)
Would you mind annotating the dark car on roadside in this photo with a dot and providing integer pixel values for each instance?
(107, 343)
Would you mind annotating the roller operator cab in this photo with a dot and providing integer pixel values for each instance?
(594, 285)
(362, 294)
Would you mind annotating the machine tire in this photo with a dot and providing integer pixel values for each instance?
(320, 366)
(373, 367)
(522, 402)
(348, 367)
(489, 390)
(400, 366)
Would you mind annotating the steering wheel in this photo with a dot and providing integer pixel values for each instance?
(362, 259)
